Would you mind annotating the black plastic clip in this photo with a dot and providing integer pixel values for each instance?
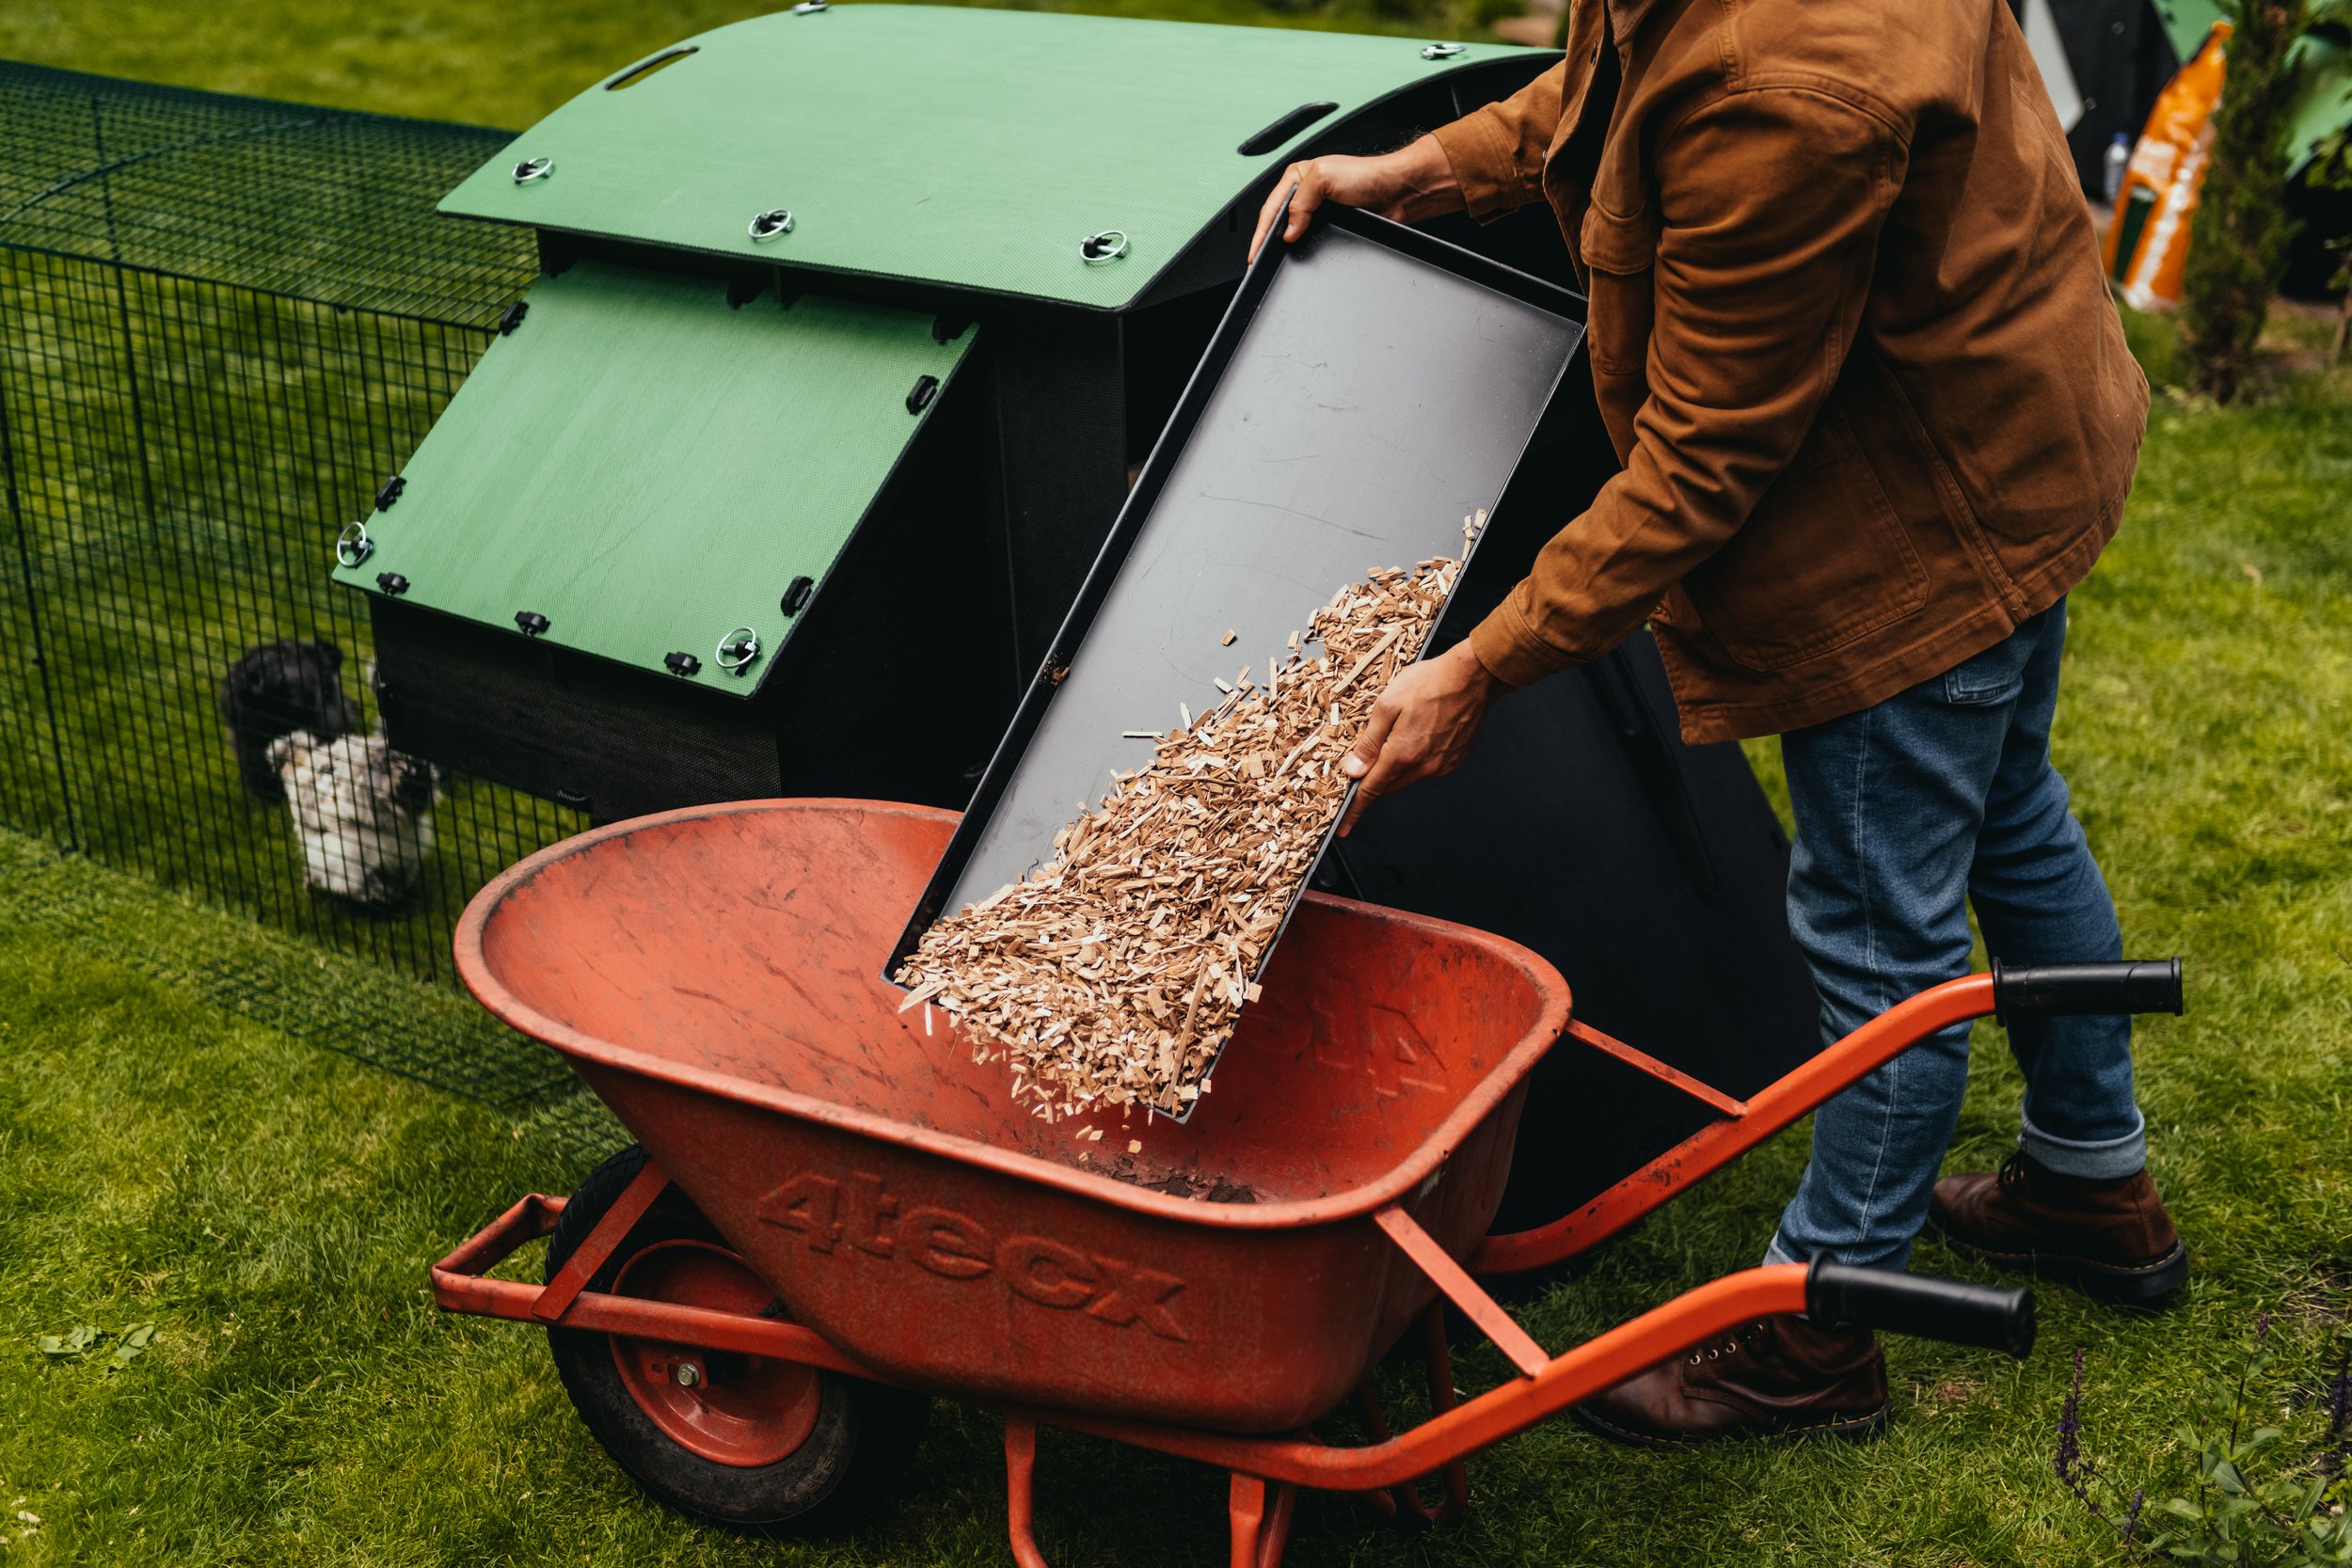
(683, 664)
(796, 597)
(926, 389)
(512, 317)
(389, 491)
(392, 583)
(946, 328)
(531, 622)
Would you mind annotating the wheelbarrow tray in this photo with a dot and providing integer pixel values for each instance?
(714, 974)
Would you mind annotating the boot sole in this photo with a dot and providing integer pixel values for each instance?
(1848, 1429)
(2150, 1284)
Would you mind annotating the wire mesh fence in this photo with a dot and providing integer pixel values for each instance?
(223, 323)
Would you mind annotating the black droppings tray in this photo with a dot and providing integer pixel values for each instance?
(1369, 388)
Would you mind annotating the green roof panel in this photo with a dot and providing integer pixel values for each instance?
(976, 148)
(649, 468)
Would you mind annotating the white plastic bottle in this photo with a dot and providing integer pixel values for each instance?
(2118, 159)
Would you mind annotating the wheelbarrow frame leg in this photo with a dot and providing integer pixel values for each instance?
(1443, 1397)
(1020, 1491)
(1258, 1519)
(1400, 1504)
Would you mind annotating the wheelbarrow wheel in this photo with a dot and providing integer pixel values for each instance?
(765, 1446)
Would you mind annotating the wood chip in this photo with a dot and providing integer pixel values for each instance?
(1113, 973)
(1227, 641)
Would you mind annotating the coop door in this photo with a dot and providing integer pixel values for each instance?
(642, 471)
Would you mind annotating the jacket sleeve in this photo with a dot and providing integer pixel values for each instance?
(1769, 206)
(1498, 151)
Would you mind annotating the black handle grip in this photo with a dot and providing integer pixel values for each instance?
(1918, 1304)
(2133, 986)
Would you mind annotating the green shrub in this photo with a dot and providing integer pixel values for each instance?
(2237, 249)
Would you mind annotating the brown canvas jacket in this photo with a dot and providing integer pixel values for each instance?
(1848, 334)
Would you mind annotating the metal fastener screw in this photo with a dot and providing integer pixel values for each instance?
(686, 1373)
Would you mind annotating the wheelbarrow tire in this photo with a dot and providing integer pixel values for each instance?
(860, 1442)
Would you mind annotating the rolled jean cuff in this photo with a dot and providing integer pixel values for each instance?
(2095, 1161)
(1890, 1257)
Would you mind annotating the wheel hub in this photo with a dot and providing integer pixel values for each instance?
(729, 1408)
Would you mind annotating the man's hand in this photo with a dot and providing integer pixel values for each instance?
(1415, 181)
(1421, 726)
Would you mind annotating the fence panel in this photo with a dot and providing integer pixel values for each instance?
(32, 759)
(223, 323)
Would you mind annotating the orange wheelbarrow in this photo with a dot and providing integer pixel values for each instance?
(834, 1214)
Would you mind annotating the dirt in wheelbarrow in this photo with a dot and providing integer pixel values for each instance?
(1177, 1183)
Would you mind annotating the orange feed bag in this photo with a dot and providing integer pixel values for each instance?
(2147, 243)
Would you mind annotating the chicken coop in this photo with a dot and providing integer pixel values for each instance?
(748, 427)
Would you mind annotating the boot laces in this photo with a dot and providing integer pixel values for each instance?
(2012, 1175)
(1736, 1342)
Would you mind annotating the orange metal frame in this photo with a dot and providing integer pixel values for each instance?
(1743, 1125)
(1268, 1470)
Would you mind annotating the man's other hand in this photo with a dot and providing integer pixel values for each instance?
(1415, 181)
(1421, 726)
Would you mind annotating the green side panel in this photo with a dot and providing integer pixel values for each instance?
(2324, 106)
(975, 149)
(649, 468)
(2186, 23)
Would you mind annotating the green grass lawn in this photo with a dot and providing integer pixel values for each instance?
(258, 1147)
(509, 64)
(196, 1131)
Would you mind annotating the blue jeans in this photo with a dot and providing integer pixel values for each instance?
(1908, 813)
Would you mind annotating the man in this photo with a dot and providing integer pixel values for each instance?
(1848, 336)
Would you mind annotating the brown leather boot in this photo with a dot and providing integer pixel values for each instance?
(2110, 1237)
(1783, 1377)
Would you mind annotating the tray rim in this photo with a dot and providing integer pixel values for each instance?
(1136, 512)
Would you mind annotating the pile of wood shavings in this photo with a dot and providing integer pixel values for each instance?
(1111, 976)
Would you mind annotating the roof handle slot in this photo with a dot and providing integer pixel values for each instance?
(638, 72)
(1285, 129)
